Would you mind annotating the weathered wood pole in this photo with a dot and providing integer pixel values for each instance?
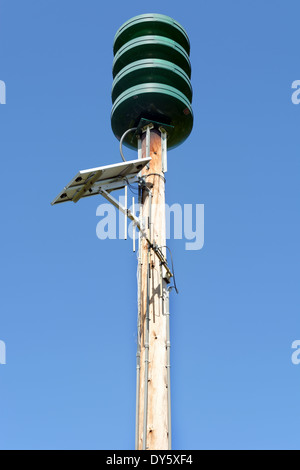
(153, 391)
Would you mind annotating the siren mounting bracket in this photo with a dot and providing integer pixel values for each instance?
(144, 123)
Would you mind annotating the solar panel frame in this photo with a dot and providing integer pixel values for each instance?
(110, 177)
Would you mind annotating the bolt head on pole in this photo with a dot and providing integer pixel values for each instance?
(152, 71)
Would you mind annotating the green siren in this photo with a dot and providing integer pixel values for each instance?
(152, 71)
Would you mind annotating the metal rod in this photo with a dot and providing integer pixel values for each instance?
(138, 354)
(164, 160)
(146, 345)
(140, 154)
(168, 346)
(129, 214)
(148, 137)
(133, 227)
(125, 221)
(138, 368)
(138, 374)
(147, 336)
(119, 206)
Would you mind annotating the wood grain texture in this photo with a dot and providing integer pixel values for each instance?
(157, 418)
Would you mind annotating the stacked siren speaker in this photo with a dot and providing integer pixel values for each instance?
(152, 72)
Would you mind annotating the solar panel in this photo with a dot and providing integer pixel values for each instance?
(110, 178)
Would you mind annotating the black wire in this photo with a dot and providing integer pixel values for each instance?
(134, 190)
(155, 174)
(173, 270)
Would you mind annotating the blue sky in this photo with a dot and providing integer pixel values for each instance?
(68, 303)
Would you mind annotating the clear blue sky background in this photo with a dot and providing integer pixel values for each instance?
(68, 300)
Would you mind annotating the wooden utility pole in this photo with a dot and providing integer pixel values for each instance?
(153, 418)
